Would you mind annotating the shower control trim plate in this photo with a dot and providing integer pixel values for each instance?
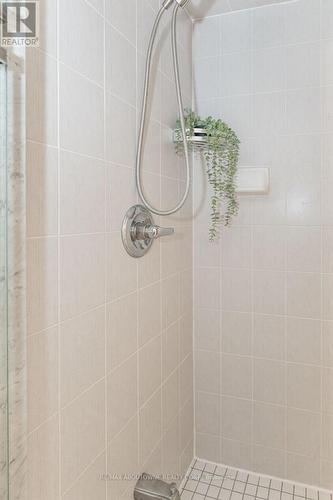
(139, 231)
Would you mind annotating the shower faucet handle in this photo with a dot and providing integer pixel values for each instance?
(152, 232)
(139, 231)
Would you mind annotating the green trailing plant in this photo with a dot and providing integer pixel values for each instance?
(220, 149)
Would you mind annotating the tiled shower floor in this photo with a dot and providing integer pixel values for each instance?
(207, 480)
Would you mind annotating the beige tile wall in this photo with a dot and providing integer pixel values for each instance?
(263, 295)
(109, 337)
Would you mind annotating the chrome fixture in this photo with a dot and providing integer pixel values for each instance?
(150, 488)
(139, 231)
(166, 4)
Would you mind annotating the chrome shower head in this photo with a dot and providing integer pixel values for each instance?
(168, 3)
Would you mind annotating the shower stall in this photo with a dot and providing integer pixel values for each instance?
(198, 364)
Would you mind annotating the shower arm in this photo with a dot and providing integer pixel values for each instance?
(165, 5)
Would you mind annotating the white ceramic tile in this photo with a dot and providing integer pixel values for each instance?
(121, 317)
(206, 38)
(269, 336)
(236, 290)
(303, 111)
(269, 292)
(82, 39)
(236, 247)
(303, 295)
(304, 249)
(122, 15)
(236, 376)
(207, 371)
(42, 377)
(236, 33)
(82, 344)
(326, 19)
(42, 287)
(303, 387)
(43, 450)
(120, 76)
(207, 329)
(42, 99)
(302, 21)
(82, 271)
(303, 340)
(268, 26)
(269, 69)
(303, 65)
(268, 248)
(328, 343)
(235, 74)
(149, 369)
(42, 182)
(303, 432)
(81, 185)
(269, 426)
(75, 135)
(121, 387)
(206, 78)
(207, 413)
(269, 381)
(120, 132)
(236, 331)
(236, 419)
(82, 433)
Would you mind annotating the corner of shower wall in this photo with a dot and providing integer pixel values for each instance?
(258, 336)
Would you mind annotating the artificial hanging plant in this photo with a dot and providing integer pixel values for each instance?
(220, 149)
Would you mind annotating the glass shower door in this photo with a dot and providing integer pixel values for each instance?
(3, 283)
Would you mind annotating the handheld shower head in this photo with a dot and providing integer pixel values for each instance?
(168, 3)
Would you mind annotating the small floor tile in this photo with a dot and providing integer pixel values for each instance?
(187, 495)
(224, 494)
(213, 492)
(276, 485)
(239, 487)
(274, 495)
(206, 477)
(262, 492)
(251, 490)
(217, 481)
(236, 496)
(231, 473)
(313, 494)
(213, 481)
(210, 468)
(220, 470)
(202, 488)
(228, 484)
(288, 488)
(191, 485)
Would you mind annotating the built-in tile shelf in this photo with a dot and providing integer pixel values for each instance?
(253, 180)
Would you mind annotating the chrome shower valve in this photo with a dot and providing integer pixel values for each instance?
(139, 231)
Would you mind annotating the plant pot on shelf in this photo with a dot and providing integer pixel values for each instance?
(219, 146)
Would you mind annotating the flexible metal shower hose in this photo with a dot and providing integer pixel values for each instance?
(144, 112)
